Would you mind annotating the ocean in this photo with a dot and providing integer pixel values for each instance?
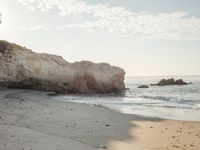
(169, 102)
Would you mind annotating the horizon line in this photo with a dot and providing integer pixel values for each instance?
(163, 76)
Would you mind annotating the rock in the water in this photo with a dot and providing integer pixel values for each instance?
(143, 86)
(166, 82)
(171, 81)
(22, 68)
(180, 82)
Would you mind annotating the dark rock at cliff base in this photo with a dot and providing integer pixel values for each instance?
(143, 86)
(165, 82)
(22, 68)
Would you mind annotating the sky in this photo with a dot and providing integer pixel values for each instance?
(144, 37)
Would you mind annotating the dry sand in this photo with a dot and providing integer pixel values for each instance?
(161, 135)
(32, 120)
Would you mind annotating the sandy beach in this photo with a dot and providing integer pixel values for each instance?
(32, 120)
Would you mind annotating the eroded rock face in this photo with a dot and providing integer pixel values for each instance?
(171, 81)
(22, 68)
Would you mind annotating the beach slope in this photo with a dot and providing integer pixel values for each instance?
(32, 120)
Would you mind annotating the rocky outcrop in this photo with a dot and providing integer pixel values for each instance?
(143, 86)
(180, 82)
(22, 68)
(171, 81)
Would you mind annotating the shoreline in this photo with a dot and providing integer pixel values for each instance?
(119, 111)
(33, 120)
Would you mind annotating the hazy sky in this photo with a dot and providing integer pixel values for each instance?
(145, 37)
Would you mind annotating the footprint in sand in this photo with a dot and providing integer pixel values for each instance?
(107, 125)
(176, 146)
(179, 131)
(191, 145)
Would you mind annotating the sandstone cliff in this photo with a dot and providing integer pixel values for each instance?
(22, 68)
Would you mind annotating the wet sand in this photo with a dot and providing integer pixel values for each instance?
(32, 120)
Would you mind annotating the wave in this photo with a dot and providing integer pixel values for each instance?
(164, 98)
(168, 98)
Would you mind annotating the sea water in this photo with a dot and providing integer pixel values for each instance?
(170, 102)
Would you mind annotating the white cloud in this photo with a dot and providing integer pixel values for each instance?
(35, 28)
(119, 20)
